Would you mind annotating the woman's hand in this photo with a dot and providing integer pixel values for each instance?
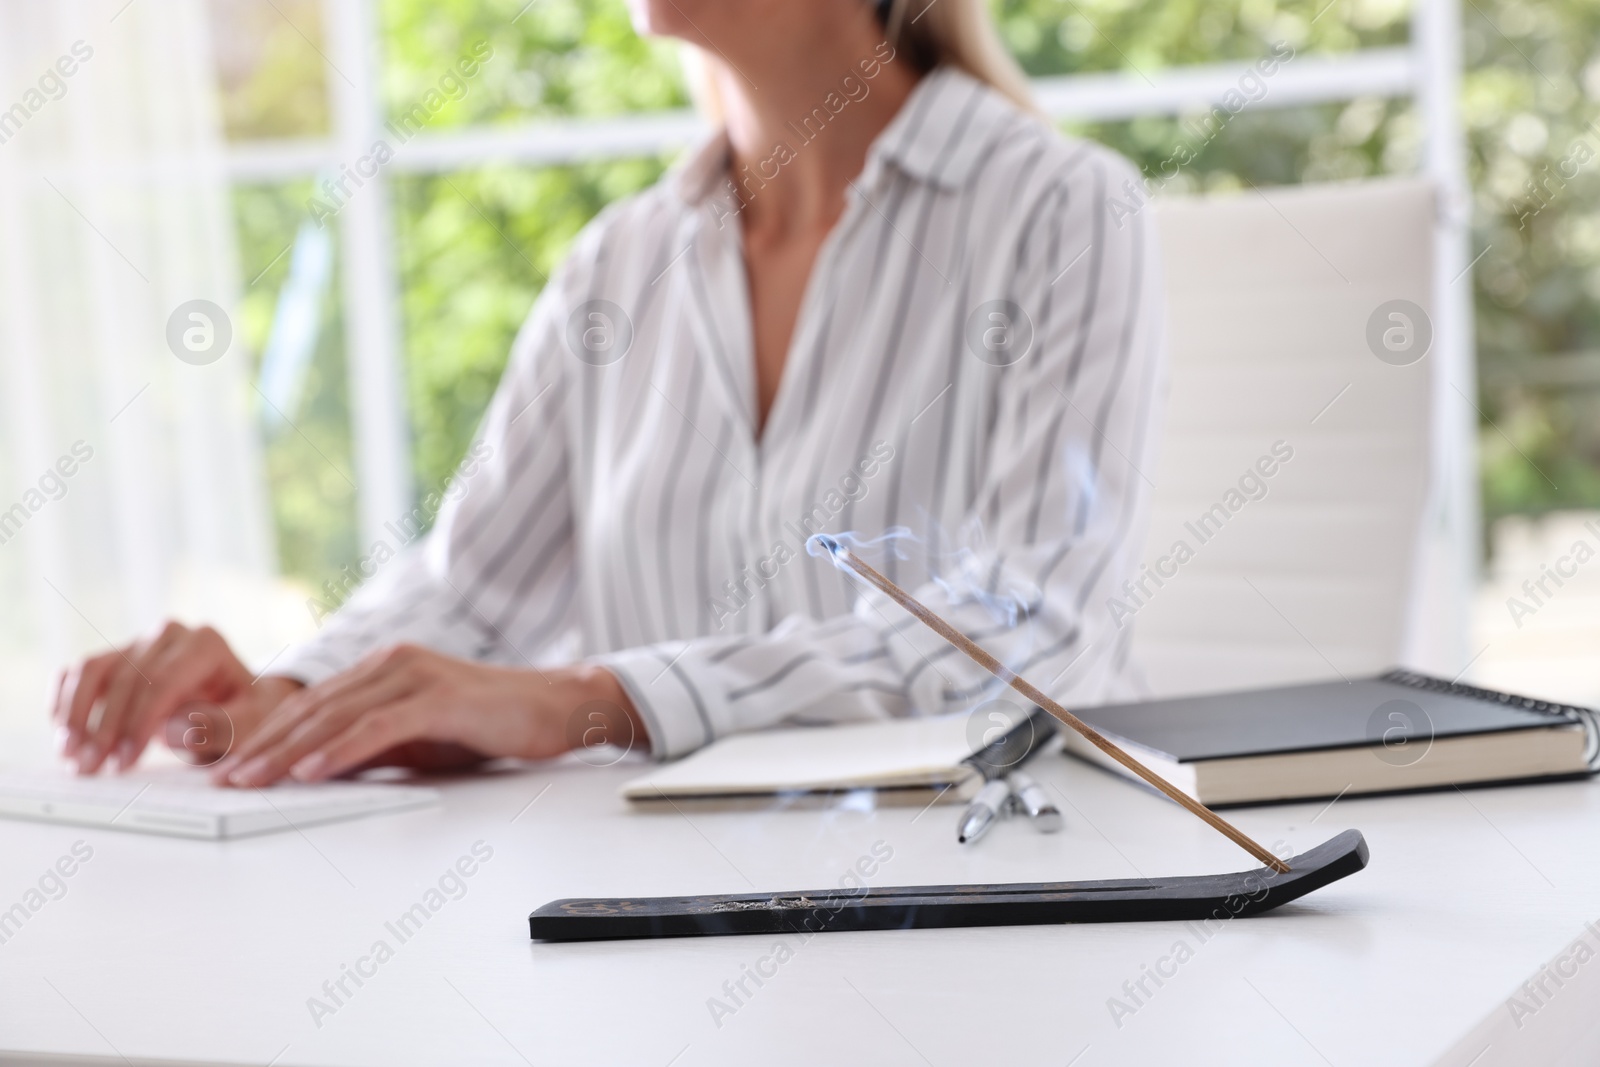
(411, 706)
(177, 679)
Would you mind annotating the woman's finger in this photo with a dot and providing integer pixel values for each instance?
(180, 674)
(324, 717)
(58, 705)
(278, 724)
(372, 734)
(84, 684)
(126, 676)
(126, 689)
(287, 715)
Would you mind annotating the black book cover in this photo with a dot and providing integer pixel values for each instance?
(1396, 707)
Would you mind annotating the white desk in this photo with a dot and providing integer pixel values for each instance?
(168, 950)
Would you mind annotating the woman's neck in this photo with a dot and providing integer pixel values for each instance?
(802, 116)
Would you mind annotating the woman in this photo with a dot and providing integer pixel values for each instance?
(885, 294)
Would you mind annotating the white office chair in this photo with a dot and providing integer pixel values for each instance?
(1270, 296)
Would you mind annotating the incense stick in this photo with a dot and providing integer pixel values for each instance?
(979, 656)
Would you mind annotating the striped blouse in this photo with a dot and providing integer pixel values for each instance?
(977, 361)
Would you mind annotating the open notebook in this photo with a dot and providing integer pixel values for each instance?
(904, 760)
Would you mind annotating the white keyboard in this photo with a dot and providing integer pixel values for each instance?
(180, 802)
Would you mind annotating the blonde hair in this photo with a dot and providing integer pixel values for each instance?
(928, 33)
(956, 33)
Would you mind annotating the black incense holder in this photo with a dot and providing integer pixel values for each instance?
(1239, 895)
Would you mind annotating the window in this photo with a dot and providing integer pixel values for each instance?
(513, 124)
(380, 288)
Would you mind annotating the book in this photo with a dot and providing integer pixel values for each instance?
(1398, 732)
(912, 760)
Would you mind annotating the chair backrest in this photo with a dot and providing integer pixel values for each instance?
(1279, 302)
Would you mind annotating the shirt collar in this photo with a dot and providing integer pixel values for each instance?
(944, 129)
(938, 136)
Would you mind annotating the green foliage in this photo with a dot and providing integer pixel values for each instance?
(1049, 37)
(1528, 105)
(556, 58)
(475, 247)
(1262, 145)
(309, 464)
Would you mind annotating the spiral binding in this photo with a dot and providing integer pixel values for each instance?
(1589, 717)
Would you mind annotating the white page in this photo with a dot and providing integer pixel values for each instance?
(901, 752)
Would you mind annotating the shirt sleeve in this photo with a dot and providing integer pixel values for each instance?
(503, 538)
(1061, 503)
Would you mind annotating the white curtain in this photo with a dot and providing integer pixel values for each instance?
(131, 483)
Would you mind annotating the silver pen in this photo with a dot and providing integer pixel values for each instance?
(984, 809)
(1033, 800)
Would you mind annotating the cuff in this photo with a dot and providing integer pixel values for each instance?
(677, 694)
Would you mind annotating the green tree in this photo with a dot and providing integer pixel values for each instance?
(475, 248)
